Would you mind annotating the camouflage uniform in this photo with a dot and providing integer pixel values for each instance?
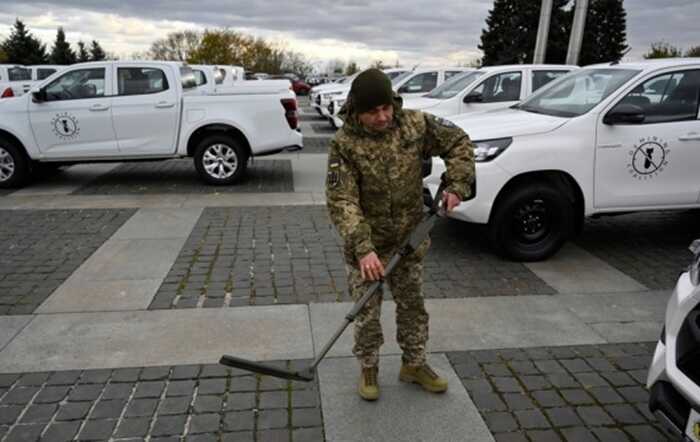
(374, 196)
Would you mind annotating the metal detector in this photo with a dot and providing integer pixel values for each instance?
(411, 244)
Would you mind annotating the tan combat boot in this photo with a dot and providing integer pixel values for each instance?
(425, 377)
(369, 387)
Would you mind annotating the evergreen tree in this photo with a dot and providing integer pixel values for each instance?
(83, 55)
(61, 53)
(604, 38)
(511, 32)
(694, 51)
(96, 52)
(22, 47)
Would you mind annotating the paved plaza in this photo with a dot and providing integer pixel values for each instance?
(121, 285)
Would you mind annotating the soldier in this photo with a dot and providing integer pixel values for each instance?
(374, 197)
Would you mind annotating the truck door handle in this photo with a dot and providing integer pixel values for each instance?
(692, 136)
(98, 107)
(164, 104)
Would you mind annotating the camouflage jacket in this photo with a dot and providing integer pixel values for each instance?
(374, 181)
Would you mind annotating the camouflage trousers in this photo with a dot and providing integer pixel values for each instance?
(406, 283)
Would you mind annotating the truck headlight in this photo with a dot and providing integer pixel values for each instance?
(486, 150)
(694, 268)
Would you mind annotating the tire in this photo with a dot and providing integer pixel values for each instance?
(14, 166)
(220, 160)
(531, 223)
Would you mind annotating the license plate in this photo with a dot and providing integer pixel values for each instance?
(693, 428)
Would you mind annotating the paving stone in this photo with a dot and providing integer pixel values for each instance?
(212, 386)
(108, 409)
(39, 413)
(305, 399)
(214, 371)
(239, 420)
(273, 419)
(7, 380)
(499, 422)
(73, 411)
(141, 408)
(511, 437)
(605, 395)
(61, 432)
(185, 372)
(506, 384)
(563, 417)
(245, 383)
(308, 435)
(625, 414)
(95, 377)
(273, 436)
(594, 416)
(176, 405)
(19, 396)
(634, 394)
(488, 401)
(169, 425)
(590, 380)
(97, 430)
(549, 398)
(33, 379)
(610, 434)
(125, 375)
(154, 373)
(133, 427)
(533, 383)
(204, 423)
(23, 433)
(576, 397)
(118, 391)
(180, 388)
(239, 436)
(10, 413)
(208, 404)
(578, 434)
(518, 401)
(149, 389)
(274, 399)
(306, 417)
(544, 435)
(530, 419)
(645, 433)
(240, 401)
(85, 392)
(210, 437)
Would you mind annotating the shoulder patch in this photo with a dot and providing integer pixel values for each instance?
(444, 122)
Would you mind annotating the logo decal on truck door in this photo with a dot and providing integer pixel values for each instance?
(648, 158)
(65, 126)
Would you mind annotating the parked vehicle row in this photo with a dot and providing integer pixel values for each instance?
(604, 139)
(125, 111)
(16, 80)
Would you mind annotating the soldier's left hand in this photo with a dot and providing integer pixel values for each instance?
(450, 201)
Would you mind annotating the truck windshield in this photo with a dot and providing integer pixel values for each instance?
(454, 85)
(576, 93)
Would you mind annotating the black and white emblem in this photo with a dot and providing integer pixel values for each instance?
(65, 126)
(648, 158)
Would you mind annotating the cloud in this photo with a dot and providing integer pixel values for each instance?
(412, 31)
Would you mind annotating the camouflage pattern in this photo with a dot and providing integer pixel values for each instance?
(374, 195)
(405, 283)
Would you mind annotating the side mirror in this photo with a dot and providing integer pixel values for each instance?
(403, 89)
(624, 114)
(473, 97)
(38, 94)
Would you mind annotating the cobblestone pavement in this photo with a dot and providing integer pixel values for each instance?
(584, 393)
(180, 176)
(323, 128)
(316, 145)
(282, 255)
(650, 247)
(39, 249)
(198, 402)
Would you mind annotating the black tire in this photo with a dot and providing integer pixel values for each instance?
(14, 165)
(219, 168)
(531, 223)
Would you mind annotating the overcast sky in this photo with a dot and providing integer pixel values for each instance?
(412, 31)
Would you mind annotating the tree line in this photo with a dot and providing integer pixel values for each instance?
(511, 32)
(21, 47)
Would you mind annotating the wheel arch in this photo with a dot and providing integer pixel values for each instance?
(217, 129)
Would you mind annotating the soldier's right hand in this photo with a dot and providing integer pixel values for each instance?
(371, 268)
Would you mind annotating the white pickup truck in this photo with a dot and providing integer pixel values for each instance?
(487, 88)
(603, 139)
(136, 110)
(15, 80)
(408, 84)
(214, 80)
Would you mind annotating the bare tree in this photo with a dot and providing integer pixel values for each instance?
(176, 46)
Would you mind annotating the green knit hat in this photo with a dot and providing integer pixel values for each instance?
(370, 89)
